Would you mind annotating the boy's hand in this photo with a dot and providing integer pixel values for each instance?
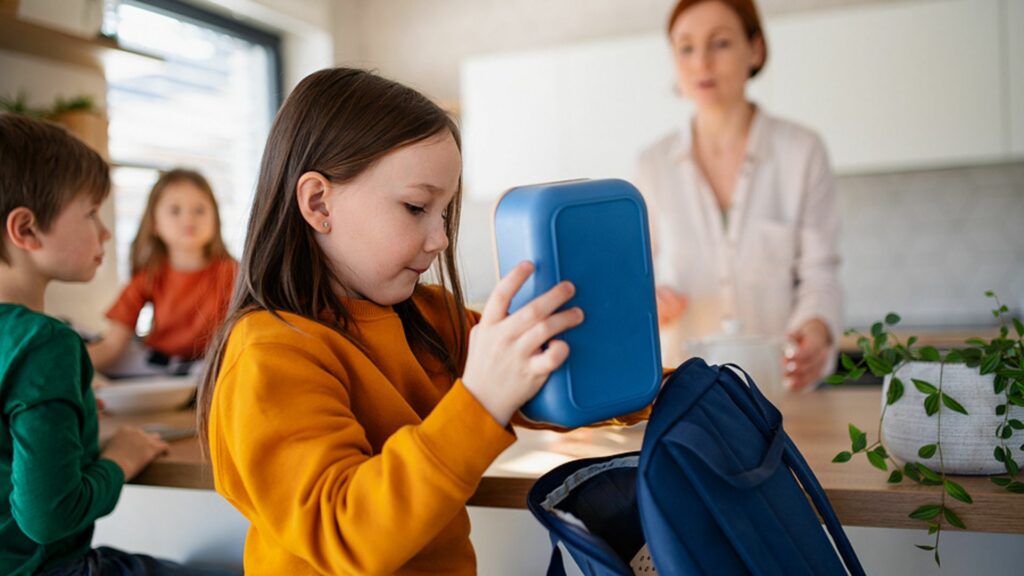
(507, 363)
(133, 449)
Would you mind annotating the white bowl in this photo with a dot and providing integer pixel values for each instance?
(156, 394)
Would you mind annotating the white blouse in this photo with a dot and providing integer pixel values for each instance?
(773, 263)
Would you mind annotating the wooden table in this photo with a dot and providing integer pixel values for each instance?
(816, 421)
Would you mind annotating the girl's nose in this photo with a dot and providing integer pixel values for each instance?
(437, 241)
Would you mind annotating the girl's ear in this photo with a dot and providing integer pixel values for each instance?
(311, 194)
(22, 229)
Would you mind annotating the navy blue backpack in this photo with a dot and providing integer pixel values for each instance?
(715, 489)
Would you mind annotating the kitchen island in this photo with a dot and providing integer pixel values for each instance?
(817, 422)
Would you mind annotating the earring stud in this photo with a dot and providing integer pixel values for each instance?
(326, 224)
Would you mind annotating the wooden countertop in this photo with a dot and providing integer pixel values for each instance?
(938, 337)
(816, 421)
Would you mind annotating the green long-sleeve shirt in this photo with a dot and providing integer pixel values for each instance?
(53, 485)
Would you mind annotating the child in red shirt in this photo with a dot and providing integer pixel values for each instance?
(180, 265)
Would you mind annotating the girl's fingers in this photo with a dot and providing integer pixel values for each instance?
(540, 308)
(498, 302)
(542, 332)
(550, 359)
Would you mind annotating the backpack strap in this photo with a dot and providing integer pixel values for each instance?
(802, 471)
(810, 484)
(555, 565)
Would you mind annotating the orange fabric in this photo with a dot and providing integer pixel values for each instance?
(345, 458)
(187, 306)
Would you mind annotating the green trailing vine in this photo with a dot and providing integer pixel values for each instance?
(18, 104)
(884, 355)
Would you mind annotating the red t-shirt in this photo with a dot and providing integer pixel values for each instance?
(188, 307)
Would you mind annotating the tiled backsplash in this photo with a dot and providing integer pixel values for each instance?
(926, 245)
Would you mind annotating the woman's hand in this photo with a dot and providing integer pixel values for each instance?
(507, 362)
(671, 304)
(804, 365)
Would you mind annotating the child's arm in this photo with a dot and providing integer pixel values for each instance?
(123, 316)
(114, 342)
(58, 485)
(53, 495)
(288, 451)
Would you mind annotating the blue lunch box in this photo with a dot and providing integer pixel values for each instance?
(593, 233)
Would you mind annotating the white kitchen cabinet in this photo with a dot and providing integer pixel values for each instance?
(897, 85)
(890, 86)
(580, 111)
(1013, 25)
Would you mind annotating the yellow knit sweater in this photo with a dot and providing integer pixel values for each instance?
(348, 461)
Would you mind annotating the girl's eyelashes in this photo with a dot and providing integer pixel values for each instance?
(414, 209)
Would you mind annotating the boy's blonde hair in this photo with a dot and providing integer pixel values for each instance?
(148, 251)
(43, 167)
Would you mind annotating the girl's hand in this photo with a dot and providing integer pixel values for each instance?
(114, 342)
(671, 304)
(804, 365)
(133, 449)
(506, 363)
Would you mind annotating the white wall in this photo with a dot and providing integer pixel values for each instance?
(1013, 29)
(422, 43)
(306, 28)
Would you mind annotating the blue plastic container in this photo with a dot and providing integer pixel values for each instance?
(593, 233)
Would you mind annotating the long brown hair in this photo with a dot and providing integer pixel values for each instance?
(745, 9)
(337, 122)
(148, 252)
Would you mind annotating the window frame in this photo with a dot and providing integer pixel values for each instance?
(269, 40)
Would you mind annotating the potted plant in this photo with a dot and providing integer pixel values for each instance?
(17, 104)
(83, 118)
(943, 413)
(79, 115)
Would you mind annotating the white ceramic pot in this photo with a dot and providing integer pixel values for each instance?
(968, 442)
(760, 357)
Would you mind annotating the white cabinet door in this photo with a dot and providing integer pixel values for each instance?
(888, 86)
(1014, 27)
(894, 86)
(583, 111)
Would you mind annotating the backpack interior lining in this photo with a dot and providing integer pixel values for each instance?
(580, 476)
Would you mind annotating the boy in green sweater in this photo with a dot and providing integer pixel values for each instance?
(54, 480)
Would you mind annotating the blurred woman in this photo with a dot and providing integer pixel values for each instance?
(743, 210)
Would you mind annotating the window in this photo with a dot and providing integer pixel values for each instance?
(206, 103)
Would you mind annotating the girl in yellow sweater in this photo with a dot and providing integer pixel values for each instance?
(350, 411)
